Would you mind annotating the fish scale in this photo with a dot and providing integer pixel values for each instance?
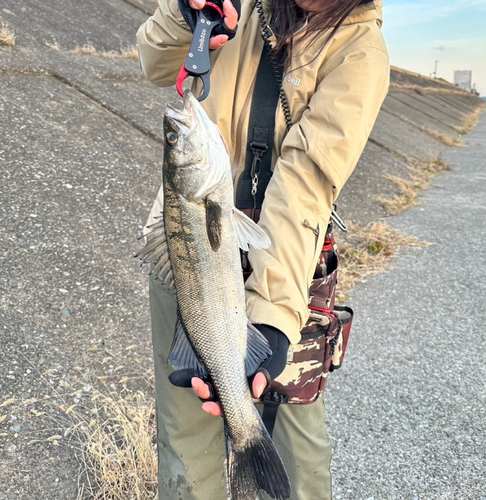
(211, 307)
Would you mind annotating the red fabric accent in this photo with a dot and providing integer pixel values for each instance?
(328, 312)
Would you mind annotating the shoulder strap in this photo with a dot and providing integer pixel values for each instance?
(253, 181)
(271, 402)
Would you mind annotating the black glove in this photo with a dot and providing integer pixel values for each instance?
(272, 367)
(190, 16)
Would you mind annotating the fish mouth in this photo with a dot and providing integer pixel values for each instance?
(181, 120)
(191, 116)
(193, 107)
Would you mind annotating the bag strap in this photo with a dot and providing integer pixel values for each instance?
(271, 403)
(254, 180)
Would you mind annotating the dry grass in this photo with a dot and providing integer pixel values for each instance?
(427, 90)
(419, 178)
(7, 37)
(115, 438)
(472, 120)
(367, 252)
(423, 77)
(448, 140)
(53, 45)
(90, 50)
(119, 451)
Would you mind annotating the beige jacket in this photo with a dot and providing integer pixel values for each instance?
(335, 93)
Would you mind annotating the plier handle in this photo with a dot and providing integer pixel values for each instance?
(197, 63)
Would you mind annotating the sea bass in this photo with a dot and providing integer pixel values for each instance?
(194, 248)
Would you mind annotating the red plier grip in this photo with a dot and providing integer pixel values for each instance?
(197, 63)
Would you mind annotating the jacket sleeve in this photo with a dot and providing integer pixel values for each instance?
(163, 42)
(317, 156)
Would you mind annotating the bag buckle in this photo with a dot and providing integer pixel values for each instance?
(339, 222)
(274, 399)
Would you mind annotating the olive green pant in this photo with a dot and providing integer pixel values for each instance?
(190, 442)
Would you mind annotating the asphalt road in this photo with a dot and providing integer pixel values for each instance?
(407, 413)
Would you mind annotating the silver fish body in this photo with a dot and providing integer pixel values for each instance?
(202, 234)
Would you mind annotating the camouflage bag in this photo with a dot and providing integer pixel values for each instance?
(323, 340)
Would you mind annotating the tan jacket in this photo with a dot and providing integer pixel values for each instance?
(335, 93)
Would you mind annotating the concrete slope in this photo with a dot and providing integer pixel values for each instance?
(81, 150)
(418, 120)
(407, 411)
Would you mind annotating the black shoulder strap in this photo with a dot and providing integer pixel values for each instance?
(271, 402)
(253, 181)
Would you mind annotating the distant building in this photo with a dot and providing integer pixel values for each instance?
(463, 79)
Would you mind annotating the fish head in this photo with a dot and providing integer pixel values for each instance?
(196, 157)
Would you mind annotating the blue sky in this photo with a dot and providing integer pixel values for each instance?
(418, 33)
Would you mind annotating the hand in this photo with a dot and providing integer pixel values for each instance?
(204, 390)
(270, 369)
(231, 12)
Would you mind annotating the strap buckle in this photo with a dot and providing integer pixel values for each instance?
(339, 222)
(274, 399)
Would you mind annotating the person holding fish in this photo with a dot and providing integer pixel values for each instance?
(206, 324)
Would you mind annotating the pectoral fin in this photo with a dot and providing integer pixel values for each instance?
(248, 232)
(182, 355)
(257, 350)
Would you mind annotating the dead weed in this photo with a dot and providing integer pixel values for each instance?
(427, 90)
(90, 50)
(7, 37)
(119, 451)
(367, 251)
(448, 140)
(472, 120)
(420, 175)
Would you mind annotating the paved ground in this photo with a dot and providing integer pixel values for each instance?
(408, 410)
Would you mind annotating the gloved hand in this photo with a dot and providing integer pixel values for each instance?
(226, 31)
(270, 369)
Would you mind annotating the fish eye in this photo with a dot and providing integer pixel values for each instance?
(172, 138)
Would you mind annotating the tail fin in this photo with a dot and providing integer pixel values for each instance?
(256, 467)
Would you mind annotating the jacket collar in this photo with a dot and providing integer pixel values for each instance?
(366, 12)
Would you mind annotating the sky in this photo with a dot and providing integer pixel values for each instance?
(418, 33)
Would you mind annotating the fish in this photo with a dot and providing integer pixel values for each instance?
(194, 249)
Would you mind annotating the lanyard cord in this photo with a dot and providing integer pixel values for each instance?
(266, 35)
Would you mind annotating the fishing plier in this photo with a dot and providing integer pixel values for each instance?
(197, 63)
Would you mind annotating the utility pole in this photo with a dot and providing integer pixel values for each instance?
(435, 72)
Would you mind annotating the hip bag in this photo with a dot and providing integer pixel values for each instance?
(325, 336)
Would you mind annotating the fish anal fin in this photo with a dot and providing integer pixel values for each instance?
(257, 350)
(182, 355)
(213, 223)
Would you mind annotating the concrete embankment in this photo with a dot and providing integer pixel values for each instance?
(81, 149)
(419, 119)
